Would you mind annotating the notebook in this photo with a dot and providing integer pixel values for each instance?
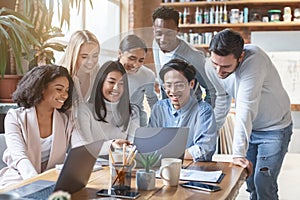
(168, 141)
(74, 175)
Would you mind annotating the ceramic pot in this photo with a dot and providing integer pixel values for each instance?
(8, 85)
(145, 180)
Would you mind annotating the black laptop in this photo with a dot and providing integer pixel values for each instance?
(74, 175)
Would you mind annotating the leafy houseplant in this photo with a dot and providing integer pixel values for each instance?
(60, 195)
(26, 32)
(149, 160)
(145, 178)
(40, 14)
(15, 40)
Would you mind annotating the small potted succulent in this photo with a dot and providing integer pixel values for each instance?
(60, 195)
(145, 178)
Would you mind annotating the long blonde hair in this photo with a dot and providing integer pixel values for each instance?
(77, 39)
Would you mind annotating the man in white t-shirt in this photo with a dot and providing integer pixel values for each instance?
(167, 46)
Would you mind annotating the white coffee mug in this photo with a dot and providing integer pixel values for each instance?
(170, 171)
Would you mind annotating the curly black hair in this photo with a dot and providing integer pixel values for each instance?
(164, 12)
(30, 89)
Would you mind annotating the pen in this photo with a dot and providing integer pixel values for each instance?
(133, 157)
(124, 156)
(131, 153)
(112, 158)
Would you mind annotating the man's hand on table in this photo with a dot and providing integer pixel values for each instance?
(243, 162)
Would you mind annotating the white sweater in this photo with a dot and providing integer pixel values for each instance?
(88, 129)
(261, 102)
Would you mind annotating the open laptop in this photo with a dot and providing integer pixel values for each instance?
(168, 141)
(74, 175)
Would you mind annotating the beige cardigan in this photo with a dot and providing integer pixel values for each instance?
(23, 153)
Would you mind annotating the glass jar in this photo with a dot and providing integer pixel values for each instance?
(274, 15)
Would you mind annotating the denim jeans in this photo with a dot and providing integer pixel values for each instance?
(266, 151)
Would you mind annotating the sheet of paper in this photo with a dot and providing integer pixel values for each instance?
(196, 175)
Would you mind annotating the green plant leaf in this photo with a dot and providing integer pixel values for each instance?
(149, 160)
(15, 35)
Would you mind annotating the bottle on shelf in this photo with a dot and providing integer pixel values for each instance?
(186, 15)
(180, 17)
(198, 16)
(225, 15)
(221, 15)
(211, 15)
(241, 17)
(206, 16)
(217, 15)
(246, 13)
(201, 16)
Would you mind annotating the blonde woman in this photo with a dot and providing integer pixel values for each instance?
(81, 60)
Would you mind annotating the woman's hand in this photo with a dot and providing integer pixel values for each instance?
(243, 162)
(118, 143)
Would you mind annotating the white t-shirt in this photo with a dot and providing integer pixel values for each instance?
(46, 147)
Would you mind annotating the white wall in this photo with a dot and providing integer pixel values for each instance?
(277, 40)
(284, 47)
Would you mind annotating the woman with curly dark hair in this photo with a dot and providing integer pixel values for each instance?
(38, 132)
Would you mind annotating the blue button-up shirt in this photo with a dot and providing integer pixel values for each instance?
(198, 116)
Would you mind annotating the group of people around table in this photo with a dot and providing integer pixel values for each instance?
(80, 102)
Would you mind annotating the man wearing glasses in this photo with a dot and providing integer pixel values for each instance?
(182, 109)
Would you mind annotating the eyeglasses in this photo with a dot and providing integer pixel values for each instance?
(176, 86)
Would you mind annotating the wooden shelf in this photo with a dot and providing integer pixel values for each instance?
(250, 26)
(260, 7)
(233, 2)
(244, 25)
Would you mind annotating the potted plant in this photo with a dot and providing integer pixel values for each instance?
(145, 178)
(40, 14)
(43, 31)
(15, 42)
(60, 195)
(27, 32)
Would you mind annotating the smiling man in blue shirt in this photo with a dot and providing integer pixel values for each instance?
(181, 109)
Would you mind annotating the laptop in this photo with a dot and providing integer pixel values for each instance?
(74, 175)
(168, 141)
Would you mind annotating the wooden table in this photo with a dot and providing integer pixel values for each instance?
(230, 185)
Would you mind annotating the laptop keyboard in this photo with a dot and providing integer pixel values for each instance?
(42, 194)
